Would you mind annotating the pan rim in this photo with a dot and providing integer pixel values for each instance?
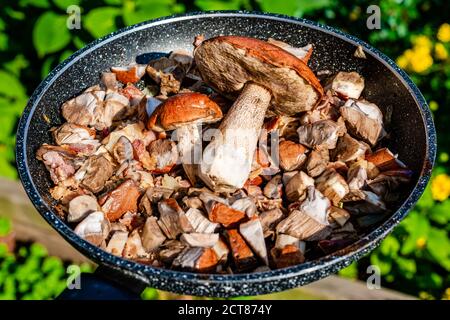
(342, 257)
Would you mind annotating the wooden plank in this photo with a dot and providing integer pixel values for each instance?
(30, 226)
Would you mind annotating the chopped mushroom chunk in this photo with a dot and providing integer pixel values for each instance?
(204, 240)
(300, 225)
(297, 185)
(292, 155)
(332, 185)
(152, 236)
(94, 228)
(120, 200)
(196, 259)
(323, 133)
(80, 207)
(243, 257)
(348, 84)
(364, 119)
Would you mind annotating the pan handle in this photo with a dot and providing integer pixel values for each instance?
(104, 284)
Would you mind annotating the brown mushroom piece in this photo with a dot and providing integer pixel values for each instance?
(172, 219)
(364, 120)
(184, 113)
(349, 149)
(169, 250)
(273, 189)
(339, 215)
(152, 236)
(95, 172)
(80, 207)
(301, 226)
(59, 161)
(357, 176)
(122, 199)
(269, 219)
(199, 222)
(243, 257)
(385, 160)
(94, 228)
(317, 162)
(323, 133)
(246, 205)
(316, 205)
(133, 247)
(297, 185)
(362, 202)
(332, 185)
(196, 259)
(303, 53)
(263, 75)
(225, 215)
(81, 139)
(348, 84)
(117, 242)
(252, 232)
(86, 108)
(204, 240)
(292, 155)
(288, 251)
(164, 154)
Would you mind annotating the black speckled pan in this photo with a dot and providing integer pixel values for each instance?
(412, 130)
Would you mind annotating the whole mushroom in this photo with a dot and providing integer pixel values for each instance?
(184, 113)
(263, 75)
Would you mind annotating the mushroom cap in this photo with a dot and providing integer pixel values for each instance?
(183, 109)
(227, 63)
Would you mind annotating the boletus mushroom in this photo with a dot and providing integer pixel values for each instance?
(263, 75)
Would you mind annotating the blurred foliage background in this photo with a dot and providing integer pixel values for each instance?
(416, 33)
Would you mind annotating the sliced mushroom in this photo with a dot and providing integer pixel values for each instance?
(225, 215)
(199, 222)
(184, 113)
(165, 153)
(133, 247)
(269, 219)
(323, 133)
(332, 185)
(287, 256)
(94, 228)
(303, 227)
(249, 67)
(122, 199)
(115, 107)
(204, 240)
(221, 250)
(117, 242)
(131, 73)
(385, 160)
(349, 149)
(80, 207)
(196, 259)
(243, 257)
(122, 150)
(94, 173)
(339, 215)
(170, 250)
(297, 185)
(85, 109)
(76, 135)
(172, 219)
(364, 120)
(357, 176)
(132, 132)
(246, 205)
(152, 236)
(273, 188)
(292, 155)
(348, 84)
(386, 184)
(287, 176)
(316, 206)
(253, 234)
(59, 161)
(317, 162)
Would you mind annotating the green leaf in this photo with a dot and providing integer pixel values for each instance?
(35, 3)
(149, 294)
(101, 21)
(16, 65)
(350, 272)
(65, 55)
(64, 4)
(50, 33)
(218, 4)
(3, 41)
(47, 66)
(440, 213)
(135, 12)
(426, 201)
(438, 246)
(293, 8)
(5, 226)
(390, 246)
(406, 266)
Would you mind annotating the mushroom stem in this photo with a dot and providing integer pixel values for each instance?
(227, 160)
(189, 148)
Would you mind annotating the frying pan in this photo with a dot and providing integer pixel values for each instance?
(412, 132)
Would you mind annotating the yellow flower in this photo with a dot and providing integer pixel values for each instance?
(402, 61)
(440, 187)
(440, 51)
(444, 33)
(434, 105)
(423, 42)
(421, 242)
(446, 295)
(421, 63)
